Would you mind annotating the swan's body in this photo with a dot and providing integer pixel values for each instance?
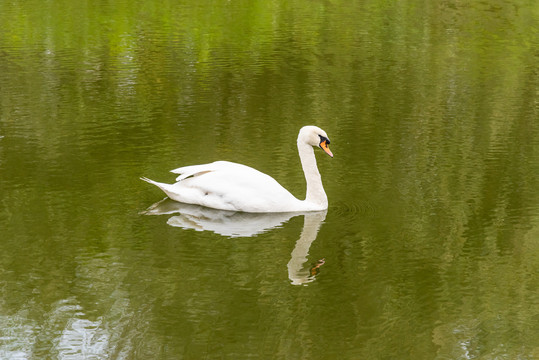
(230, 186)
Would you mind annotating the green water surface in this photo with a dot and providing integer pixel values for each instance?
(429, 248)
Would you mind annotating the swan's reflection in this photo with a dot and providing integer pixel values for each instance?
(240, 224)
(297, 273)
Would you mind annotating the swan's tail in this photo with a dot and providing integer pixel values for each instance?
(149, 180)
(161, 186)
(166, 188)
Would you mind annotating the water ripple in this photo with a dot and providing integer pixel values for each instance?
(351, 211)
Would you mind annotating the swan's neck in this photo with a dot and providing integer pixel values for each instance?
(315, 189)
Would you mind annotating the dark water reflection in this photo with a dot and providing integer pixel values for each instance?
(428, 250)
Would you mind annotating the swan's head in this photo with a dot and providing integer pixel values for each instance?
(314, 136)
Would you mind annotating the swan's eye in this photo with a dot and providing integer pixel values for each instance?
(324, 139)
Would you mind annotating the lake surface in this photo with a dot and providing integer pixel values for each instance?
(429, 248)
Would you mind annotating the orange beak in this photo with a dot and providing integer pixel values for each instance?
(325, 147)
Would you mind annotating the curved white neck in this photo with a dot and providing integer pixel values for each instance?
(315, 190)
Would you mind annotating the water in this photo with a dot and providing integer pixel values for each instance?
(429, 247)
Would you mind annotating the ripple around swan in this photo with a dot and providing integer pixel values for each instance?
(350, 211)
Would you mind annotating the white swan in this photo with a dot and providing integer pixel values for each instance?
(230, 186)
